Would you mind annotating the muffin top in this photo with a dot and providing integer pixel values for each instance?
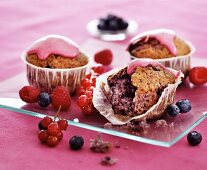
(158, 44)
(55, 51)
(54, 44)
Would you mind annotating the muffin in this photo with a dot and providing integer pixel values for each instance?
(55, 60)
(142, 90)
(164, 46)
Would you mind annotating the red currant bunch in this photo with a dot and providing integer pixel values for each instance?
(51, 130)
(85, 90)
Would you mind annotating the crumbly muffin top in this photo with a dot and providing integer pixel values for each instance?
(155, 50)
(151, 78)
(57, 61)
(150, 82)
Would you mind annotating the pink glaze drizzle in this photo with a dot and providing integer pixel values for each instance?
(164, 36)
(54, 44)
(143, 63)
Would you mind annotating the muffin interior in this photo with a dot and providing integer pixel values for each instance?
(57, 61)
(134, 94)
(151, 48)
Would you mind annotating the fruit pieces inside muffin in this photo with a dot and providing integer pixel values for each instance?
(158, 44)
(57, 61)
(134, 94)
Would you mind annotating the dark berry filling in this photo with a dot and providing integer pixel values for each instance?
(123, 93)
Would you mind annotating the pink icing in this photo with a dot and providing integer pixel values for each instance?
(164, 36)
(143, 63)
(54, 44)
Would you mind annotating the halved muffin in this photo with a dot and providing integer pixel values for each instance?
(142, 90)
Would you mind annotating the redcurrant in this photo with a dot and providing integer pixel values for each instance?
(93, 81)
(89, 94)
(80, 91)
(46, 121)
(60, 136)
(83, 101)
(43, 135)
(53, 129)
(85, 83)
(63, 124)
(52, 141)
(87, 110)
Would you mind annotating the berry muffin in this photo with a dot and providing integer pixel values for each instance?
(164, 46)
(55, 60)
(140, 91)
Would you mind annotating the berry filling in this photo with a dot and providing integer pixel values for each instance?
(123, 93)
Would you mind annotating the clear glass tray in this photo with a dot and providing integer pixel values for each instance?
(161, 136)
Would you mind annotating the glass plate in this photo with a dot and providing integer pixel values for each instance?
(166, 135)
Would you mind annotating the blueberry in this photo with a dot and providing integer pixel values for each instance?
(76, 142)
(44, 99)
(173, 110)
(184, 105)
(194, 138)
(40, 126)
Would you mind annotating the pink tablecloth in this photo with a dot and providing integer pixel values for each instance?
(24, 21)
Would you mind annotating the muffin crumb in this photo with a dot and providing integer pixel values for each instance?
(108, 161)
(98, 145)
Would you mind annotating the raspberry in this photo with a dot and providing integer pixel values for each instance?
(60, 97)
(29, 94)
(198, 75)
(104, 57)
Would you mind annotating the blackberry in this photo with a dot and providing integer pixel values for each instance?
(112, 23)
(76, 142)
(184, 105)
(44, 99)
(194, 138)
(173, 110)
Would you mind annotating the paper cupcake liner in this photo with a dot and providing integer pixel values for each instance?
(103, 105)
(46, 79)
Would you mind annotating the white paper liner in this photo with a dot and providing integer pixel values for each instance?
(102, 104)
(47, 79)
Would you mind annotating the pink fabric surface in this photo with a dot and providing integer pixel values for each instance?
(24, 21)
(20, 149)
